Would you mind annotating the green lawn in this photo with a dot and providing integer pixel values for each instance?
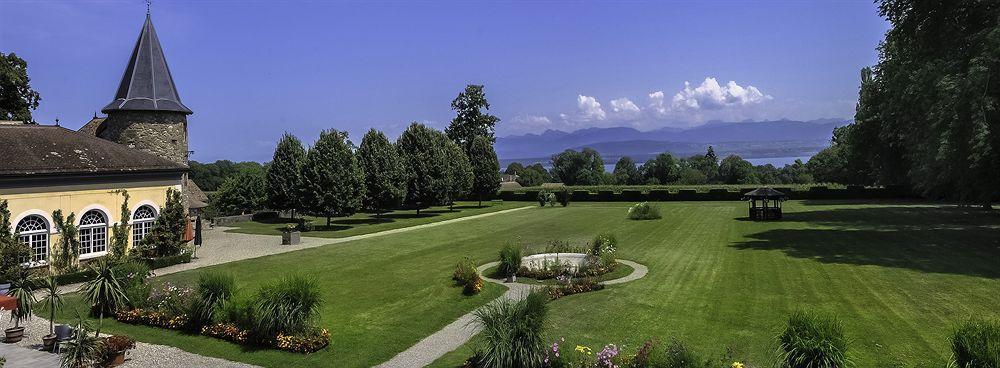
(899, 275)
(364, 223)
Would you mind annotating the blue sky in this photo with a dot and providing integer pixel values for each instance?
(253, 70)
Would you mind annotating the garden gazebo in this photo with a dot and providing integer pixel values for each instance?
(765, 203)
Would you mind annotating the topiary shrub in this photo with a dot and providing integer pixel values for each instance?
(510, 259)
(813, 341)
(644, 211)
(976, 344)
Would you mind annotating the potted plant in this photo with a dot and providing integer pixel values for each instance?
(290, 235)
(115, 347)
(51, 302)
(104, 292)
(83, 350)
(20, 289)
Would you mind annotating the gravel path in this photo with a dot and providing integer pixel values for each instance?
(459, 332)
(27, 352)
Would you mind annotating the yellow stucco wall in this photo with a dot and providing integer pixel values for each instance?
(43, 200)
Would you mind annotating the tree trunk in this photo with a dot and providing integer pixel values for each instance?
(480, 200)
(100, 323)
(327, 221)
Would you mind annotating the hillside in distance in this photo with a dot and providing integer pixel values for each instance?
(749, 139)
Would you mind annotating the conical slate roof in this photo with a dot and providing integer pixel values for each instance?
(147, 84)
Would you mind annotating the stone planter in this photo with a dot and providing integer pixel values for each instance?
(13, 334)
(511, 278)
(49, 341)
(290, 237)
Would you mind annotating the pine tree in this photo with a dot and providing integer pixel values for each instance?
(284, 174)
(331, 177)
(424, 162)
(166, 238)
(460, 176)
(470, 121)
(384, 177)
(485, 168)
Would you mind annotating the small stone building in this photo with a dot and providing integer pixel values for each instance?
(141, 146)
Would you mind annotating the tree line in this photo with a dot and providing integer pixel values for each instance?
(586, 167)
(333, 178)
(928, 114)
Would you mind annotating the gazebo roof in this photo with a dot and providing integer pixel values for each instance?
(765, 193)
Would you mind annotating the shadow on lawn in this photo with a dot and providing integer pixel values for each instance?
(929, 239)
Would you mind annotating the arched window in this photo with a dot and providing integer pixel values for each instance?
(142, 221)
(93, 233)
(33, 232)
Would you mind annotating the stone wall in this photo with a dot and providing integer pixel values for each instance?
(162, 133)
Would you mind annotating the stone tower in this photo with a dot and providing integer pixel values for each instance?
(147, 113)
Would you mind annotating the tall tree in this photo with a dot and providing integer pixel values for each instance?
(331, 177)
(460, 175)
(928, 114)
(424, 161)
(470, 120)
(385, 180)
(485, 168)
(626, 173)
(735, 170)
(662, 169)
(242, 193)
(284, 175)
(17, 99)
(166, 238)
(578, 168)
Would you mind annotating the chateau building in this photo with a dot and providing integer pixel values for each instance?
(141, 147)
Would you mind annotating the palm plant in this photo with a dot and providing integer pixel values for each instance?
(104, 292)
(512, 332)
(52, 300)
(82, 350)
(21, 287)
(813, 341)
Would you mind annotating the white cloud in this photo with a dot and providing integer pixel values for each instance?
(624, 109)
(712, 96)
(657, 106)
(589, 108)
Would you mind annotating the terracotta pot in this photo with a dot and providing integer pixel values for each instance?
(117, 360)
(13, 334)
(49, 341)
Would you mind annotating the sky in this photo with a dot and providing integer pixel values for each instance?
(252, 70)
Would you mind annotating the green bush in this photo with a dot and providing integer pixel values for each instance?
(543, 197)
(214, 291)
(75, 277)
(465, 275)
(644, 211)
(675, 355)
(167, 261)
(512, 332)
(813, 341)
(976, 344)
(564, 197)
(604, 243)
(285, 307)
(510, 259)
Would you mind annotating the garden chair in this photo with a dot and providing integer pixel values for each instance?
(63, 333)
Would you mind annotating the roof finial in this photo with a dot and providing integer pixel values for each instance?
(147, 7)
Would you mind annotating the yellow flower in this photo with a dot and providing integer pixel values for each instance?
(737, 365)
(584, 349)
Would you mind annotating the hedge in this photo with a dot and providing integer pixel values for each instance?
(167, 261)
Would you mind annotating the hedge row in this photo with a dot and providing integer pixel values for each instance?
(715, 194)
(153, 263)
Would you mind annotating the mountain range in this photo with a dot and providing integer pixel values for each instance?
(749, 139)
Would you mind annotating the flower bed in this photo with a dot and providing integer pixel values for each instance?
(573, 287)
(308, 343)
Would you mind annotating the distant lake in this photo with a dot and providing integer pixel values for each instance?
(778, 162)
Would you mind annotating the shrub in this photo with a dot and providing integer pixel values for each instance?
(171, 299)
(510, 259)
(604, 243)
(285, 307)
(676, 355)
(83, 350)
(551, 199)
(543, 198)
(512, 332)
(214, 290)
(976, 344)
(644, 211)
(465, 275)
(114, 345)
(167, 261)
(575, 287)
(132, 273)
(813, 341)
(564, 197)
(562, 246)
(304, 226)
